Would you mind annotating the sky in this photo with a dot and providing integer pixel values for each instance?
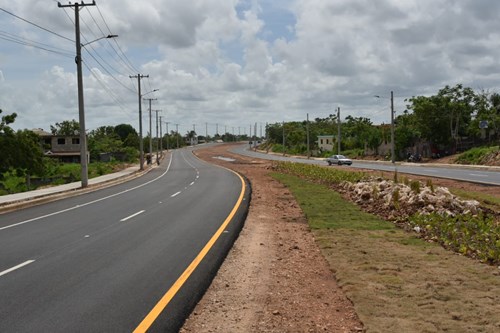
(226, 65)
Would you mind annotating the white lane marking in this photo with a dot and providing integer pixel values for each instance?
(175, 194)
(131, 216)
(192, 183)
(90, 202)
(16, 267)
(477, 175)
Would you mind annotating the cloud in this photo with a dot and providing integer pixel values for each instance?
(236, 62)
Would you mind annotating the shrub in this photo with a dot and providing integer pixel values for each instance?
(477, 236)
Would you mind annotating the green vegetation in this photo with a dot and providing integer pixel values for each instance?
(477, 156)
(474, 236)
(325, 208)
(316, 173)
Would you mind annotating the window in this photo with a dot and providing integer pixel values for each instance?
(75, 141)
(321, 141)
(61, 141)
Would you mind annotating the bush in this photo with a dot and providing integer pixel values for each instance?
(476, 155)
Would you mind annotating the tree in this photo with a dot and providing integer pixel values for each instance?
(103, 140)
(445, 118)
(19, 150)
(6, 120)
(66, 127)
(124, 131)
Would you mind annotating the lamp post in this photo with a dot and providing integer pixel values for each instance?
(393, 154)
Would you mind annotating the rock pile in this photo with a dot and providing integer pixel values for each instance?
(399, 200)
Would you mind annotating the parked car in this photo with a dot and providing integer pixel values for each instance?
(338, 159)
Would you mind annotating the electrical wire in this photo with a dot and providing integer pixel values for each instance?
(26, 42)
(125, 59)
(36, 25)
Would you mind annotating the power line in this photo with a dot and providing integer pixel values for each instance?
(38, 26)
(125, 60)
(26, 42)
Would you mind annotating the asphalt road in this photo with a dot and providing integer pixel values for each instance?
(470, 174)
(135, 256)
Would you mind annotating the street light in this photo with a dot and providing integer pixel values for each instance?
(393, 156)
(103, 37)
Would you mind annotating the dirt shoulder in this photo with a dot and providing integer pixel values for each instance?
(275, 278)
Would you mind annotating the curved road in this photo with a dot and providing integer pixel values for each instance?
(463, 173)
(135, 256)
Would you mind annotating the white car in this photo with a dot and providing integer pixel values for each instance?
(338, 159)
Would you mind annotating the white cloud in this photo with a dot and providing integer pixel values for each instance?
(236, 62)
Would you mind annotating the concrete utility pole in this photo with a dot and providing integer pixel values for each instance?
(168, 136)
(206, 132)
(284, 150)
(141, 143)
(150, 129)
(81, 109)
(216, 129)
(393, 155)
(307, 131)
(177, 134)
(161, 138)
(338, 130)
(157, 160)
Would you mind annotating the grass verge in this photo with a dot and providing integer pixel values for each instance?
(397, 282)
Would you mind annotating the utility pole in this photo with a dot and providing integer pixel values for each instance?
(206, 132)
(81, 108)
(307, 131)
(284, 150)
(177, 134)
(168, 136)
(338, 130)
(157, 160)
(393, 156)
(161, 139)
(217, 129)
(141, 143)
(150, 130)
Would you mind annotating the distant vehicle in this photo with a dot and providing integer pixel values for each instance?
(338, 159)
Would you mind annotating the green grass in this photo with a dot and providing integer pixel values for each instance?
(476, 155)
(326, 209)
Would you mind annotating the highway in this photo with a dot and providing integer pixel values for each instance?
(463, 173)
(132, 257)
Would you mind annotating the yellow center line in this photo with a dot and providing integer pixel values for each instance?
(163, 302)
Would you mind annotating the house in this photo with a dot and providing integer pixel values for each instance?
(66, 148)
(326, 142)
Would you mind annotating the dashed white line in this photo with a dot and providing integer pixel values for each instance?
(192, 183)
(7, 271)
(131, 216)
(175, 194)
(477, 175)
